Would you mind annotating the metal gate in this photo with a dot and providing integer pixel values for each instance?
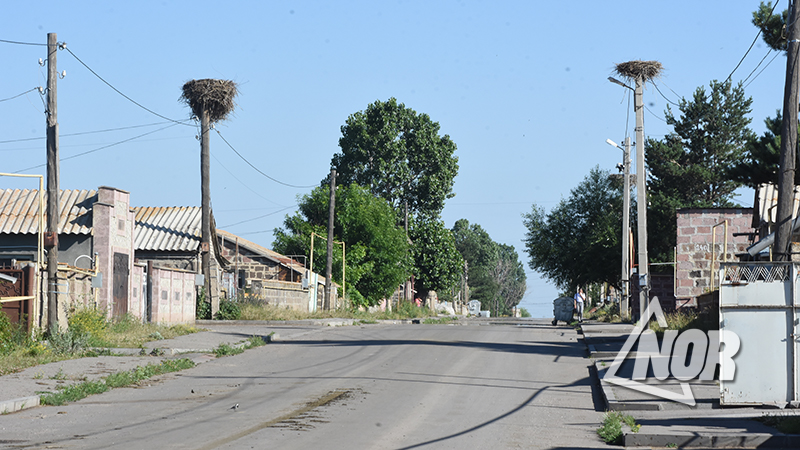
(758, 302)
(17, 294)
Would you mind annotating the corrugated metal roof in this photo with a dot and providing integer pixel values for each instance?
(766, 207)
(19, 211)
(168, 228)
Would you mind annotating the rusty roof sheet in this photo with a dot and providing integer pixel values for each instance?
(19, 211)
(766, 204)
(168, 228)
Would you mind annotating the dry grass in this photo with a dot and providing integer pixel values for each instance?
(251, 311)
(131, 333)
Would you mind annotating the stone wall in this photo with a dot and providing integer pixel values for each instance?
(700, 241)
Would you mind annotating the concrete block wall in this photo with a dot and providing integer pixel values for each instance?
(697, 247)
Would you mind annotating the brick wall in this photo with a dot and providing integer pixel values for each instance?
(696, 245)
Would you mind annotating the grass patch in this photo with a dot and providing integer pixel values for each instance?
(255, 311)
(82, 390)
(784, 424)
(683, 320)
(226, 349)
(611, 429)
(440, 320)
(606, 313)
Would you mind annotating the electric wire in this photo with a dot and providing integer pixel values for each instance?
(762, 70)
(19, 95)
(259, 217)
(120, 92)
(84, 132)
(100, 148)
(257, 169)
(242, 182)
(22, 43)
(664, 96)
(752, 44)
(757, 66)
(656, 115)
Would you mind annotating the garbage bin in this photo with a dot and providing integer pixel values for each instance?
(563, 309)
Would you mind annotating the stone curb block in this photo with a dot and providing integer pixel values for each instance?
(702, 440)
(18, 404)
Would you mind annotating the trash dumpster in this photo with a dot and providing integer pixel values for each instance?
(563, 309)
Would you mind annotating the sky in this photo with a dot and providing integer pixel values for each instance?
(521, 87)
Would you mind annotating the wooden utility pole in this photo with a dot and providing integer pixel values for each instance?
(53, 214)
(205, 188)
(783, 233)
(641, 201)
(329, 260)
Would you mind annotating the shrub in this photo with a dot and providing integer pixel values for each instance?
(524, 312)
(228, 310)
(203, 308)
(68, 342)
(88, 321)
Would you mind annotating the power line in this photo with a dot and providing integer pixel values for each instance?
(22, 43)
(762, 70)
(656, 115)
(757, 66)
(259, 217)
(102, 148)
(85, 132)
(120, 92)
(664, 96)
(20, 95)
(257, 169)
(242, 182)
(752, 44)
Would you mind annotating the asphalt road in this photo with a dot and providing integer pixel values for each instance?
(474, 386)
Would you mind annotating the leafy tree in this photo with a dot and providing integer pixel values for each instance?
(399, 155)
(691, 166)
(437, 263)
(761, 157)
(496, 277)
(377, 249)
(578, 242)
(772, 26)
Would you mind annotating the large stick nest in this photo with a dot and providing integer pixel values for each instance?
(643, 70)
(215, 97)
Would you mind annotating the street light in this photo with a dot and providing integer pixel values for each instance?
(626, 225)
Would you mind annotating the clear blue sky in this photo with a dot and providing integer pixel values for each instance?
(520, 86)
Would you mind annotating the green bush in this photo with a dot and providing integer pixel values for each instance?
(228, 310)
(203, 308)
(69, 341)
(88, 321)
(524, 312)
(6, 332)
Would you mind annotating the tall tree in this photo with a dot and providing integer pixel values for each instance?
(377, 249)
(496, 276)
(577, 242)
(759, 162)
(690, 167)
(399, 155)
(437, 263)
(772, 25)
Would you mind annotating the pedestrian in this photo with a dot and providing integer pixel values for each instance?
(580, 297)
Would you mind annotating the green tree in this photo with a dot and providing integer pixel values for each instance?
(437, 263)
(377, 249)
(772, 26)
(577, 243)
(496, 276)
(399, 155)
(759, 162)
(690, 167)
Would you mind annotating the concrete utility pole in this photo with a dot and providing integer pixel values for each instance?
(626, 228)
(329, 260)
(641, 200)
(783, 233)
(205, 189)
(53, 214)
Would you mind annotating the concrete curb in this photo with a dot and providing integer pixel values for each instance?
(710, 440)
(18, 404)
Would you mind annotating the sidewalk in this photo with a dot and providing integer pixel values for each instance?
(20, 390)
(665, 422)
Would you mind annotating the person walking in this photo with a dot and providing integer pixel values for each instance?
(580, 297)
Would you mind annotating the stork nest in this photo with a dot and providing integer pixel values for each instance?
(214, 97)
(643, 70)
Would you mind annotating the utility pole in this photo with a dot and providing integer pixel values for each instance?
(53, 213)
(641, 202)
(205, 190)
(626, 230)
(329, 259)
(783, 233)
